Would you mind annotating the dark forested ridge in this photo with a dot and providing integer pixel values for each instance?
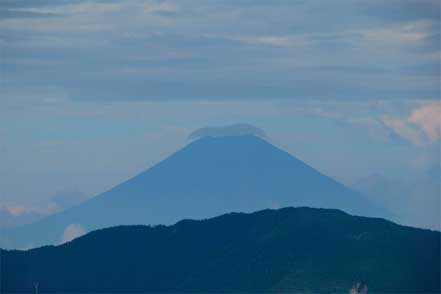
(290, 249)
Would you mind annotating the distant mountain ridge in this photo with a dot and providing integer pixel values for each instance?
(299, 250)
(209, 176)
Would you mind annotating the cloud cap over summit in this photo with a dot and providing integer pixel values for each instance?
(229, 130)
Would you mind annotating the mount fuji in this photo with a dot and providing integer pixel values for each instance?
(210, 176)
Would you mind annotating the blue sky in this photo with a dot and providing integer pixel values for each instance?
(93, 92)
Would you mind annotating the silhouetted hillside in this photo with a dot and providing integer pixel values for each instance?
(291, 249)
(208, 177)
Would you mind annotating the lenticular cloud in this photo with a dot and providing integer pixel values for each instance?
(230, 130)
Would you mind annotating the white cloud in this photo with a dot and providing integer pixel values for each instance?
(16, 210)
(71, 232)
(421, 127)
(41, 210)
(405, 130)
(428, 118)
(16, 215)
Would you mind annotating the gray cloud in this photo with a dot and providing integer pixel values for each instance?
(211, 50)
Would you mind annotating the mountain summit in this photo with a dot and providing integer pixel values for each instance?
(210, 176)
